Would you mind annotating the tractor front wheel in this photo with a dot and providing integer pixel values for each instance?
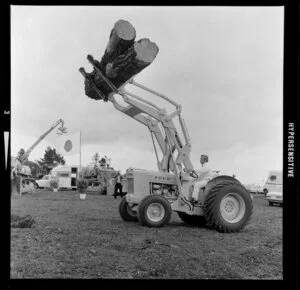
(126, 211)
(228, 206)
(154, 211)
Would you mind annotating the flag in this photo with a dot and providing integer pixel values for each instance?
(68, 144)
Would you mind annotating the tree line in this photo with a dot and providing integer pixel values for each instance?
(43, 166)
(51, 159)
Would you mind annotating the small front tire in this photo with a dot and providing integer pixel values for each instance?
(126, 212)
(154, 211)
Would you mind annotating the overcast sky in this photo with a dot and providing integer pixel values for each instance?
(224, 65)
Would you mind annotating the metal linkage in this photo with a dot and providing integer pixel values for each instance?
(151, 116)
(83, 72)
(133, 82)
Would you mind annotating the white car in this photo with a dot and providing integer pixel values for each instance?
(274, 197)
(45, 181)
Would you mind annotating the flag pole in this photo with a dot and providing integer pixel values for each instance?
(80, 151)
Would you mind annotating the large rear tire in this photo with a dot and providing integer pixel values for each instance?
(228, 206)
(194, 220)
(126, 212)
(154, 211)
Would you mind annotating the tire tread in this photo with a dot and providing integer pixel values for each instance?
(124, 213)
(209, 207)
(142, 209)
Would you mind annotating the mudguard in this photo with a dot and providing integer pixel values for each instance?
(212, 182)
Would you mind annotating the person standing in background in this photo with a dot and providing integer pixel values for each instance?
(118, 186)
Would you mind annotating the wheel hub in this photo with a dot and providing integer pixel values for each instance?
(232, 207)
(155, 212)
(131, 210)
(229, 206)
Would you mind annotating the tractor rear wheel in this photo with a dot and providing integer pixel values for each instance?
(194, 220)
(154, 211)
(228, 206)
(126, 211)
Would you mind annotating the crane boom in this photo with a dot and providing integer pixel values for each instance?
(62, 129)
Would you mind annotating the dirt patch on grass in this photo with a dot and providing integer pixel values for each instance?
(73, 238)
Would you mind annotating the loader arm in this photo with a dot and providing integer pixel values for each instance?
(159, 123)
(151, 123)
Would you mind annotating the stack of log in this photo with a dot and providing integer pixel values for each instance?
(123, 58)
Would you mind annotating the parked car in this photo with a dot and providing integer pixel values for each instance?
(274, 197)
(253, 188)
(45, 181)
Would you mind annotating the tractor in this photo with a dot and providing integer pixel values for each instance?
(222, 202)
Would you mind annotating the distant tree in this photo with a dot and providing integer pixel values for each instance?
(102, 162)
(51, 159)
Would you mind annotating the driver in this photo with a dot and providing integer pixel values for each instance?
(204, 175)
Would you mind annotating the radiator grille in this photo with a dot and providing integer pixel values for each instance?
(130, 187)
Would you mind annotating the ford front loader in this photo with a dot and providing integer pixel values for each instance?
(221, 202)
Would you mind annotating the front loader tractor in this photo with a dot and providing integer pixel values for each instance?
(222, 202)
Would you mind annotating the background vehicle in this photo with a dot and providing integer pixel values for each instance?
(274, 197)
(20, 174)
(223, 203)
(100, 179)
(66, 176)
(44, 182)
(274, 182)
(254, 188)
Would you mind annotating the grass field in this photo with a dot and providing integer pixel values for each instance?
(73, 238)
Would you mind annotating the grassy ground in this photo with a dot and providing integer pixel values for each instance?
(88, 239)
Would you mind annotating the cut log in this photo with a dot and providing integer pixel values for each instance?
(124, 67)
(121, 38)
(136, 58)
(123, 58)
